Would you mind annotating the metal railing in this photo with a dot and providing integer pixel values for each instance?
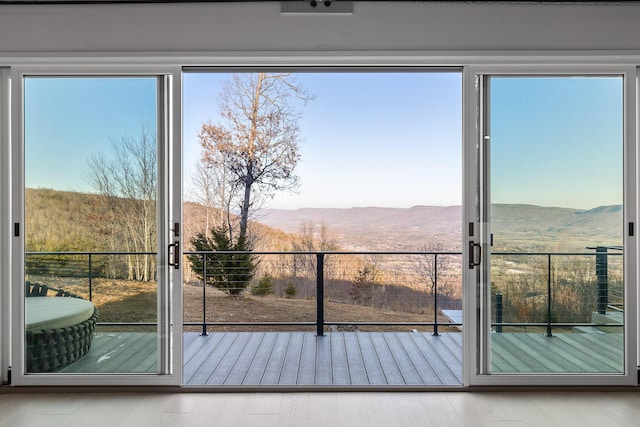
(78, 271)
(318, 264)
(553, 280)
(61, 266)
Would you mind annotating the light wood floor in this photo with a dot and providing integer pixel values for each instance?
(437, 409)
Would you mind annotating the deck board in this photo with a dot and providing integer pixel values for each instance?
(561, 353)
(323, 360)
(202, 347)
(213, 359)
(389, 366)
(355, 362)
(424, 369)
(307, 370)
(222, 370)
(611, 358)
(240, 369)
(339, 362)
(260, 360)
(402, 360)
(273, 370)
(130, 352)
(291, 364)
(372, 363)
(438, 361)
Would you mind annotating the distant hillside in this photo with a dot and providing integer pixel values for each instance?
(66, 221)
(371, 228)
(61, 221)
(266, 238)
(528, 227)
(515, 227)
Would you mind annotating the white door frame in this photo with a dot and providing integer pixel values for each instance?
(476, 348)
(170, 212)
(5, 215)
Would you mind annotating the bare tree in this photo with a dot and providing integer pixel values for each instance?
(313, 238)
(256, 140)
(217, 193)
(127, 180)
(433, 267)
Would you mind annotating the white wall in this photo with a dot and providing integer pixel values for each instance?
(180, 29)
(440, 33)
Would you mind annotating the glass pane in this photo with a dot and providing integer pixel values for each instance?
(354, 201)
(557, 283)
(90, 224)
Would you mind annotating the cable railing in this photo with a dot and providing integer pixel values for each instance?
(557, 290)
(401, 281)
(529, 289)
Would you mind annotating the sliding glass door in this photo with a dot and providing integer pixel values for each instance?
(556, 228)
(98, 229)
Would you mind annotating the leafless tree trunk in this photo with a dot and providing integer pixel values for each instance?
(127, 180)
(216, 191)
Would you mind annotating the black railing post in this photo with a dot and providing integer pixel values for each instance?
(435, 295)
(320, 294)
(204, 295)
(549, 334)
(90, 278)
(603, 279)
(498, 312)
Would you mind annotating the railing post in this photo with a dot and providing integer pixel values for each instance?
(435, 295)
(603, 279)
(320, 294)
(498, 313)
(90, 278)
(204, 295)
(549, 334)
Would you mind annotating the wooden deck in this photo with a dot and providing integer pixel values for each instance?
(589, 352)
(338, 358)
(119, 353)
(344, 359)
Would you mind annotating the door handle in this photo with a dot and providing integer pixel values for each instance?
(174, 255)
(472, 254)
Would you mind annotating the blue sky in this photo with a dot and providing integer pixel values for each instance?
(68, 120)
(369, 139)
(557, 141)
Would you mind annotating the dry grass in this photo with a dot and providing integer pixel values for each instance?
(131, 302)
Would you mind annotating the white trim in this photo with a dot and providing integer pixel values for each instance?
(174, 373)
(5, 227)
(176, 174)
(469, 216)
(631, 215)
(633, 180)
(17, 217)
(318, 58)
(630, 377)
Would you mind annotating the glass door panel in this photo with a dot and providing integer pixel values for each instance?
(91, 230)
(554, 150)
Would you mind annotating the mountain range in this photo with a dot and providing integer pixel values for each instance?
(515, 227)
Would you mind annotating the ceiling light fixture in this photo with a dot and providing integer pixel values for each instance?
(317, 6)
